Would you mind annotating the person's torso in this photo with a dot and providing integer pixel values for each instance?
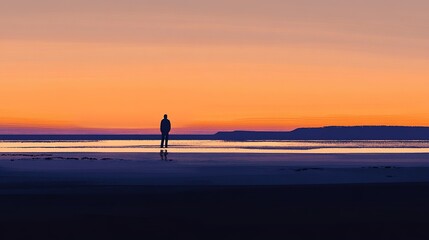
(165, 125)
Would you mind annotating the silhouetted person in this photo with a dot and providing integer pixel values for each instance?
(165, 130)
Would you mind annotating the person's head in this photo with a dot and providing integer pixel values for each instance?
(165, 116)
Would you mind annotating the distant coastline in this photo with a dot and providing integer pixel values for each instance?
(335, 133)
(322, 133)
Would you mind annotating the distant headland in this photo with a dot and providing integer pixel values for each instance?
(322, 133)
(334, 133)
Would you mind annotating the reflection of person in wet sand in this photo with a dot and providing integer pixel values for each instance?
(163, 154)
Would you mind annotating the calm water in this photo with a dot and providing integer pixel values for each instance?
(209, 146)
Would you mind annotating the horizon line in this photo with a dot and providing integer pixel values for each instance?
(180, 131)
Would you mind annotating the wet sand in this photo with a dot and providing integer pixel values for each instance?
(211, 168)
(221, 196)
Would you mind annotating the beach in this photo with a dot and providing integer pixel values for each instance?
(213, 195)
(211, 168)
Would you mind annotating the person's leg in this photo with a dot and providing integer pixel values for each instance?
(162, 140)
(166, 140)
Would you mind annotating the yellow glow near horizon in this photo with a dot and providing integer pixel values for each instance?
(124, 65)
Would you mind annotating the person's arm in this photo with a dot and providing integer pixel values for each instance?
(160, 126)
(169, 126)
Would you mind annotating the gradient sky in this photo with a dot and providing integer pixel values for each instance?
(81, 65)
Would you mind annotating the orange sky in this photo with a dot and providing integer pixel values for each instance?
(271, 65)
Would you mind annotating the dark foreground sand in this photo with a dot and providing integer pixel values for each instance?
(362, 211)
(56, 198)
